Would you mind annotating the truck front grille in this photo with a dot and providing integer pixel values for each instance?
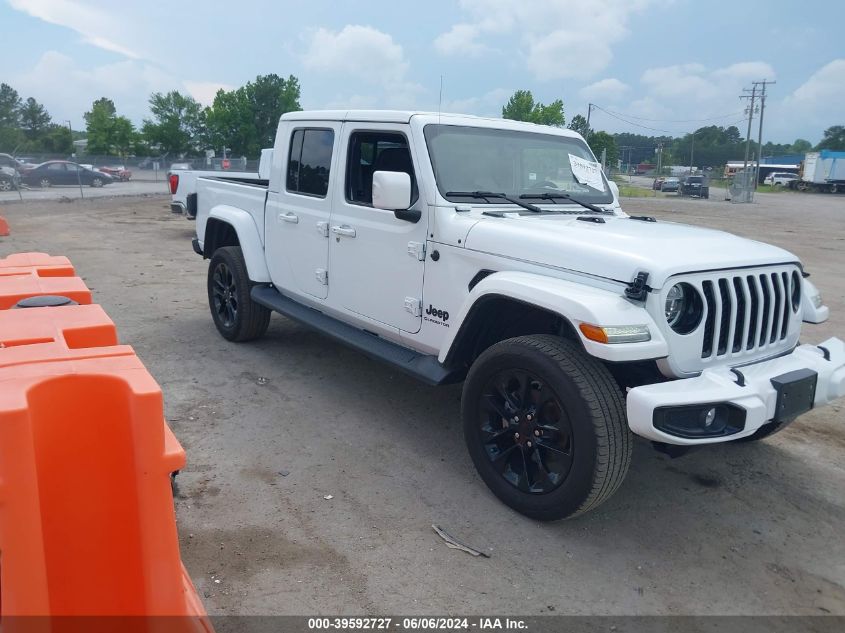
(746, 312)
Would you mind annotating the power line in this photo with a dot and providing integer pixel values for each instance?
(640, 118)
(645, 127)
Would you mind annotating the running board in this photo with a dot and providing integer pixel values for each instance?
(424, 367)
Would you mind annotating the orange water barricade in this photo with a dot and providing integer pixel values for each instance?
(87, 524)
(22, 283)
(37, 335)
(45, 265)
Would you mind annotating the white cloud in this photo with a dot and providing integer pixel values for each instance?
(96, 26)
(205, 91)
(817, 102)
(556, 39)
(361, 51)
(128, 83)
(489, 104)
(607, 90)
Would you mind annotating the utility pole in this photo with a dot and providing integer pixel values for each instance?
(73, 155)
(589, 111)
(691, 153)
(763, 83)
(750, 111)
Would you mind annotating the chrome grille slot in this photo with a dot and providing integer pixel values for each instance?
(745, 313)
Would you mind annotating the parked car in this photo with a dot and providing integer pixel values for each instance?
(670, 184)
(118, 172)
(780, 178)
(657, 185)
(62, 172)
(695, 186)
(433, 248)
(9, 179)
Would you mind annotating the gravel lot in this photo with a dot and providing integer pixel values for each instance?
(738, 529)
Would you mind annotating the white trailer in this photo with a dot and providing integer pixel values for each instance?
(822, 171)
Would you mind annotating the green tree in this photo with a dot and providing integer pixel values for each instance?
(178, 123)
(245, 120)
(579, 124)
(10, 107)
(56, 139)
(34, 119)
(800, 146)
(834, 138)
(100, 122)
(600, 141)
(522, 107)
(109, 133)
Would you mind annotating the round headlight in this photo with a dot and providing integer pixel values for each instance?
(684, 308)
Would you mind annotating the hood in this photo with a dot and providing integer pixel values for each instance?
(619, 248)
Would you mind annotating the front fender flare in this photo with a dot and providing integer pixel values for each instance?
(249, 238)
(576, 302)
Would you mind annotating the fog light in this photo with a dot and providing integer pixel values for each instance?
(700, 420)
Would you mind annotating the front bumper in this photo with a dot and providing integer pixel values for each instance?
(721, 385)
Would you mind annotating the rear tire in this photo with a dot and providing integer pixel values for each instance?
(97, 183)
(545, 426)
(5, 185)
(44, 183)
(237, 317)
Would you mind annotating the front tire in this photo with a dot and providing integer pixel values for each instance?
(545, 426)
(237, 317)
(44, 183)
(97, 183)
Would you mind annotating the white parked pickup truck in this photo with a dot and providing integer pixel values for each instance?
(183, 182)
(494, 252)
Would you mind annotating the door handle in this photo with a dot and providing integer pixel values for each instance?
(289, 217)
(344, 229)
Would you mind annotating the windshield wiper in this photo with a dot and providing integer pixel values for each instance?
(492, 194)
(547, 195)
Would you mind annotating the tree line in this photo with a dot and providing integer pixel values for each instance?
(240, 122)
(709, 146)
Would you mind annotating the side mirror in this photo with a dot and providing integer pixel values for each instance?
(391, 190)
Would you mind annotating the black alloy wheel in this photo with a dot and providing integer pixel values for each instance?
(526, 431)
(224, 295)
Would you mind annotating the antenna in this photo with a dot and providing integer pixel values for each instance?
(440, 99)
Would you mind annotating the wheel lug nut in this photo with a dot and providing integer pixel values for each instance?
(516, 418)
(537, 432)
(516, 436)
(528, 444)
(529, 417)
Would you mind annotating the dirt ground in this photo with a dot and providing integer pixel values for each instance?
(273, 427)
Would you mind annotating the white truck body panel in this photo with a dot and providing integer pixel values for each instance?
(416, 281)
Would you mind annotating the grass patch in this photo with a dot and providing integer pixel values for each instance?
(628, 191)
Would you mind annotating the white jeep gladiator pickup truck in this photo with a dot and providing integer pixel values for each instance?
(494, 252)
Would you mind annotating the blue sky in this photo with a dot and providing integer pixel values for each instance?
(670, 65)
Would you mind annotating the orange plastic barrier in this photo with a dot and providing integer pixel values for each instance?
(45, 265)
(87, 523)
(19, 283)
(4, 227)
(37, 335)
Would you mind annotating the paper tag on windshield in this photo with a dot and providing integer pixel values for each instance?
(587, 172)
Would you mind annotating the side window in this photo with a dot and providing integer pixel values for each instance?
(376, 151)
(309, 162)
(56, 167)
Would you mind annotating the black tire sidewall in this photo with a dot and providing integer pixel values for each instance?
(570, 495)
(229, 256)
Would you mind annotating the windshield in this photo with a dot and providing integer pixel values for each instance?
(471, 159)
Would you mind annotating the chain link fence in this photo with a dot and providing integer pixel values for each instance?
(741, 187)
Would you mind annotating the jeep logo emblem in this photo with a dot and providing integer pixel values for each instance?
(437, 314)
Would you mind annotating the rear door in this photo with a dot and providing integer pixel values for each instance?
(297, 214)
(376, 260)
(57, 174)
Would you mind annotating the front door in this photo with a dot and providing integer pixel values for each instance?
(376, 260)
(297, 215)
